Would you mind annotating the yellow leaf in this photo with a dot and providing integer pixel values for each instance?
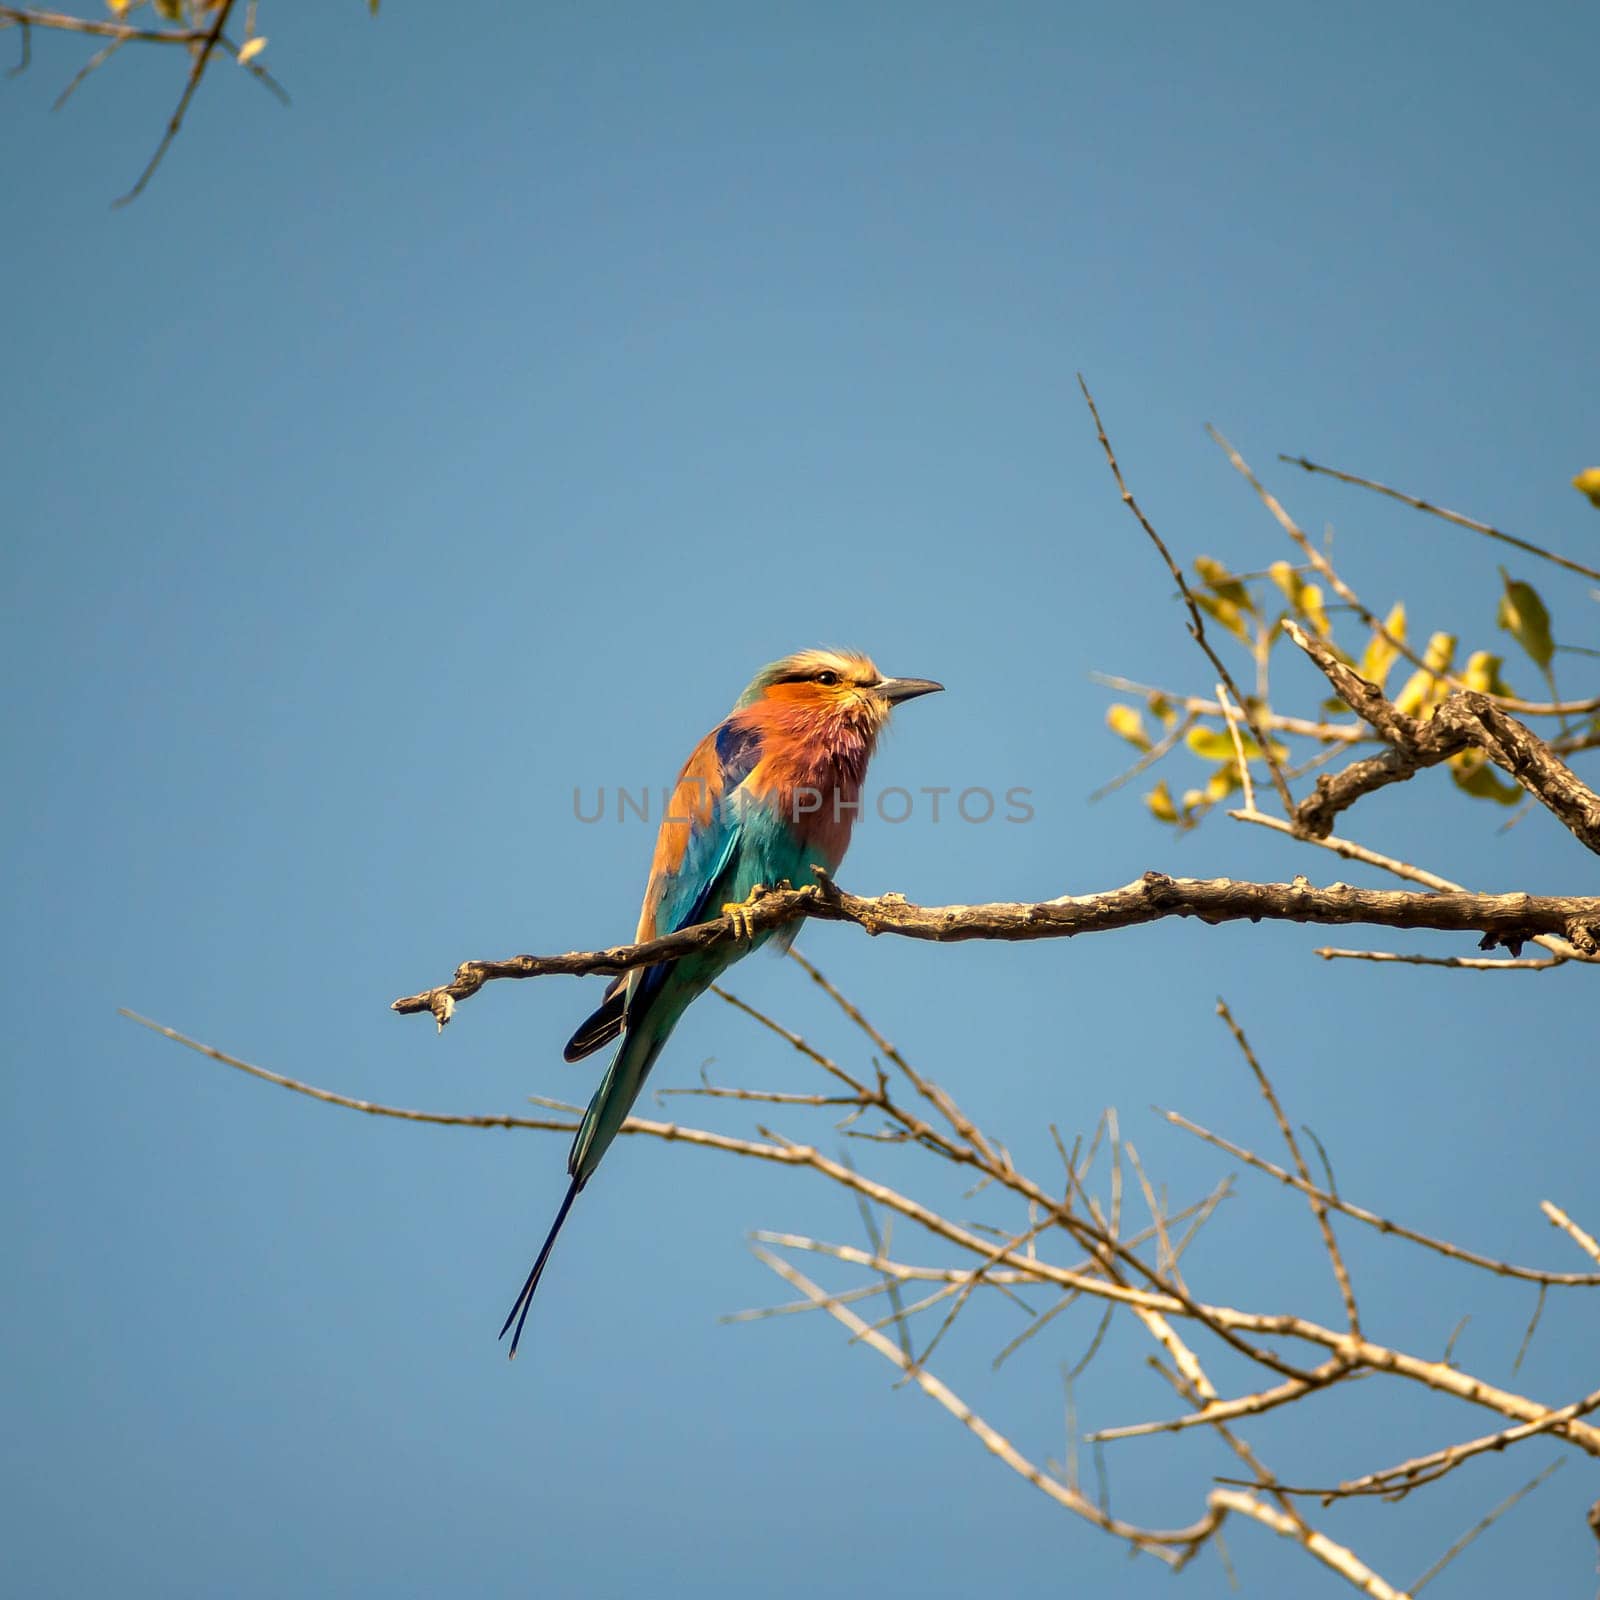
(251, 48)
(1216, 744)
(1162, 707)
(1421, 689)
(1210, 744)
(1227, 613)
(1222, 782)
(1588, 482)
(1482, 672)
(1306, 598)
(1126, 722)
(1192, 798)
(1222, 583)
(1286, 578)
(118, 7)
(1380, 656)
(1311, 609)
(1160, 803)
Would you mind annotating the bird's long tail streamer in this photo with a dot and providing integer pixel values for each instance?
(519, 1311)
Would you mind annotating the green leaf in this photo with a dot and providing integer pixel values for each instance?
(1222, 583)
(1523, 615)
(1472, 772)
(1227, 613)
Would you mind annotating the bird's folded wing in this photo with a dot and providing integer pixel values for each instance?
(698, 840)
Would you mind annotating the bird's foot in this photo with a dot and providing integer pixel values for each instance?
(739, 912)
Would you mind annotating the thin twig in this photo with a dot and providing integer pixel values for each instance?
(1336, 1556)
(1197, 626)
(1504, 1269)
(1159, 1543)
(1329, 1372)
(1231, 715)
(62, 22)
(1533, 1323)
(1322, 732)
(1160, 748)
(1227, 1322)
(1449, 516)
(1478, 1527)
(1349, 850)
(875, 1238)
(1319, 1207)
(1322, 565)
(1466, 963)
(98, 59)
(201, 57)
(1558, 1218)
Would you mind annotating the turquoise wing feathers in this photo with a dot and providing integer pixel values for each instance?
(767, 795)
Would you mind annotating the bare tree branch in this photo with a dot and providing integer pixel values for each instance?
(1167, 1299)
(1466, 719)
(1349, 850)
(1147, 899)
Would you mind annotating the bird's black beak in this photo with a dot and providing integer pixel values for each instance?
(894, 690)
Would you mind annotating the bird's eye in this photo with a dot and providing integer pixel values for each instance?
(828, 677)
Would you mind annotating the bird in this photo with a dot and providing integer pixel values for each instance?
(769, 793)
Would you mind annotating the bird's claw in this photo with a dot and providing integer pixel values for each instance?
(738, 912)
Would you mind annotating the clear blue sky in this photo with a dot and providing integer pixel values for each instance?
(471, 431)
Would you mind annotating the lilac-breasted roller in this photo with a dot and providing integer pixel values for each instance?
(769, 793)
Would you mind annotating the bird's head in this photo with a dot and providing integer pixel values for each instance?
(831, 689)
